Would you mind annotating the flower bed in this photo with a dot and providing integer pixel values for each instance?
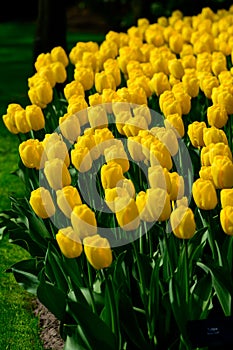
(126, 152)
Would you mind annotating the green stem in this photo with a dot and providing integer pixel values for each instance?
(185, 243)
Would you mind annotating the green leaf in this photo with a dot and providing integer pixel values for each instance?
(222, 283)
(154, 297)
(26, 272)
(54, 264)
(51, 297)
(99, 335)
(75, 338)
(130, 323)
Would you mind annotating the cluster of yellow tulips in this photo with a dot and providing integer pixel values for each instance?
(173, 62)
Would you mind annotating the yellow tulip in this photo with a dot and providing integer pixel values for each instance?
(226, 197)
(98, 251)
(67, 198)
(177, 186)
(214, 135)
(175, 68)
(175, 122)
(103, 139)
(183, 222)
(153, 205)
(42, 203)
(42, 60)
(128, 218)
(219, 149)
(32, 153)
(222, 172)
(35, 117)
(81, 158)
(46, 73)
(69, 126)
(159, 154)
(83, 221)
(111, 174)
(97, 116)
(158, 177)
(204, 194)
(21, 121)
(42, 94)
(195, 133)
(226, 219)
(159, 83)
(85, 76)
(191, 85)
(69, 242)
(57, 173)
(73, 88)
(117, 153)
(205, 173)
(59, 54)
(217, 116)
(116, 198)
(135, 148)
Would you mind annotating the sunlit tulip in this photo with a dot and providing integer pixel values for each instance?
(226, 219)
(222, 172)
(57, 173)
(204, 194)
(98, 251)
(35, 117)
(97, 116)
(32, 154)
(67, 198)
(159, 154)
(21, 121)
(175, 122)
(195, 133)
(81, 158)
(128, 217)
(69, 242)
(159, 83)
(83, 221)
(226, 197)
(183, 222)
(69, 126)
(177, 186)
(217, 116)
(73, 88)
(117, 153)
(85, 76)
(42, 203)
(59, 54)
(111, 174)
(158, 177)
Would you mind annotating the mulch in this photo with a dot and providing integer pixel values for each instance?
(49, 328)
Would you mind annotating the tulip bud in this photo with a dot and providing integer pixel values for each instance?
(59, 54)
(217, 116)
(175, 68)
(226, 219)
(222, 172)
(153, 205)
(116, 198)
(57, 173)
(98, 251)
(35, 117)
(177, 186)
(191, 84)
(42, 60)
(42, 94)
(32, 153)
(204, 194)
(175, 122)
(117, 153)
(46, 73)
(85, 76)
(81, 158)
(219, 149)
(167, 137)
(226, 197)
(83, 221)
(195, 133)
(57, 149)
(159, 83)
(214, 135)
(183, 222)
(70, 127)
(205, 173)
(42, 203)
(73, 88)
(104, 80)
(135, 148)
(128, 217)
(111, 174)
(159, 178)
(103, 139)
(176, 42)
(69, 242)
(97, 117)
(67, 198)
(21, 121)
(159, 154)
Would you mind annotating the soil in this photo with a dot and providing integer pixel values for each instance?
(49, 328)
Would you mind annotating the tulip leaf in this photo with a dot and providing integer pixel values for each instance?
(130, 323)
(52, 297)
(53, 265)
(99, 335)
(222, 284)
(75, 341)
(26, 272)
